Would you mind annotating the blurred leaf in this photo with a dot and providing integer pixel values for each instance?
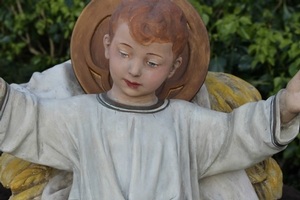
(289, 151)
(271, 60)
(5, 39)
(69, 3)
(294, 67)
(294, 51)
(217, 64)
(205, 18)
(286, 13)
(245, 20)
(245, 63)
(241, 31)
(285, 42)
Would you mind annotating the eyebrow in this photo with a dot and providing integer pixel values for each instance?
(152, 54)
(126, 45)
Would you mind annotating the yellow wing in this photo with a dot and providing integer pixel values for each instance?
(26, 180)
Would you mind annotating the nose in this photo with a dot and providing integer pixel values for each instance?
(135, 68)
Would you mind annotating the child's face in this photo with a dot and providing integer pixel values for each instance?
(137, 70)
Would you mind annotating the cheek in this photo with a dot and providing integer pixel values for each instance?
(157, 79)
(117, 69)
(113, 69)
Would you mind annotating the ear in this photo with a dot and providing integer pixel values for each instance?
(175, 66)
(106, 43)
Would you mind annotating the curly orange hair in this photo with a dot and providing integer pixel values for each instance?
(149, 21)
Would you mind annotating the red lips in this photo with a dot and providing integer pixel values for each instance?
(132, 84)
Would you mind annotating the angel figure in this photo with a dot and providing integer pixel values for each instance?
(138, 137)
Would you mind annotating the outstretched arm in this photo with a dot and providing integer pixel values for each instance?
(36, 129)
(290, 100)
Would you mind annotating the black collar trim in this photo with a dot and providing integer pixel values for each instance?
(109, 103)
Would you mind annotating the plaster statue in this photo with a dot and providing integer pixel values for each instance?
(31, 181)
(127, 143)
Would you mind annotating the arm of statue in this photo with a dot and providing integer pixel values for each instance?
(242, 138)
(290, 100)
(27, 123)
(227, 92)
(27, 180)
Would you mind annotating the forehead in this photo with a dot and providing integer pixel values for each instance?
(123, 35)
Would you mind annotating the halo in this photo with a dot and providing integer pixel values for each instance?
(91, 66)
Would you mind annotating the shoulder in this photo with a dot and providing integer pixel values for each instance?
(193, 111)
(83, 100)
(80, 104)
(186, 106)
(56, 82)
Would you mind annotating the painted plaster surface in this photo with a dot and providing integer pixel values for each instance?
(119, 153)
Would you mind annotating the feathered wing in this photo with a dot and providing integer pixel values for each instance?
(26, 180)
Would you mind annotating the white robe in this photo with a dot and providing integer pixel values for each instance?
(131, 155)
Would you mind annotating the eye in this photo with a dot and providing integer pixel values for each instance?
(124, 55)
(152, 64)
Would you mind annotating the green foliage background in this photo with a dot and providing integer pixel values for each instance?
(34, 35)
(257, 40)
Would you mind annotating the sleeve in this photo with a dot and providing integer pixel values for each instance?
(238, 140)
(3, 91)
(39, 130)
